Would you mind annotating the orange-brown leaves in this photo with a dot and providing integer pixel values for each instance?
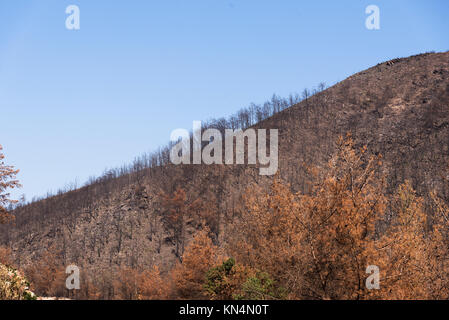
(339, 224)
(189, 276)
(47, 275)
(177, 211)
(438, 249)
(266, 235)
(401, 249)
(153, 286)
(319, 245)
(5, 256)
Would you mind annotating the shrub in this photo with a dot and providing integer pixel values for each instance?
(13, 285)
(235, 281)
(261, 287)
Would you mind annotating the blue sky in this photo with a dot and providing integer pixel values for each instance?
(73, 103)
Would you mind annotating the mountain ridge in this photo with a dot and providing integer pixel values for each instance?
(398, 108)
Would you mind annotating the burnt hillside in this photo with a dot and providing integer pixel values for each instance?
(399, 109)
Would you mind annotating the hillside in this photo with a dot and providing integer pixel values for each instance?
(399, 109)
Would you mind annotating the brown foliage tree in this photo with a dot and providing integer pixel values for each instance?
(264, 236)
(189, 276)
(47, 275)
(6, 256)
(338, 221)
(176, 213)
(402, 249)
(133, 284)
(438, 249)
(319, 245)
(126, 285)
(153, 286)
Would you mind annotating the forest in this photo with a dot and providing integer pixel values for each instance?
(363, 184)
(286, 245)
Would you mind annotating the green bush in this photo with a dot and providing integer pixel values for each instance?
(219, 284)
(13, 285)
(234, 281)
(260, 287)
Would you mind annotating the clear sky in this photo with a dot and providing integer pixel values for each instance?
(74, 102)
